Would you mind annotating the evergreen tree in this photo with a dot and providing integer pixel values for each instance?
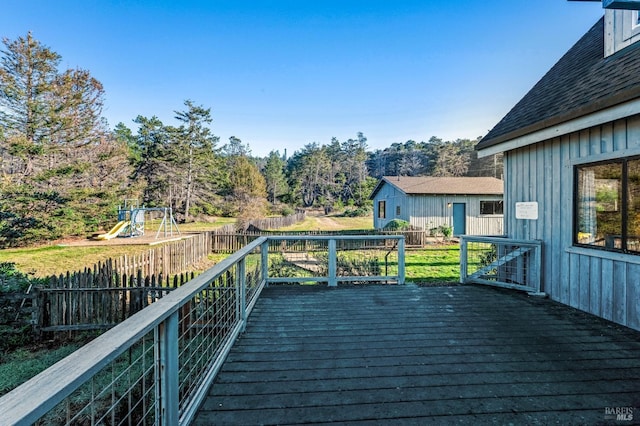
(274, 176)
(152, 168)
(194, 149)
(56, 155)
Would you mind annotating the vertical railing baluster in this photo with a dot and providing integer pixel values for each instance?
(463, 260)
(401, 271)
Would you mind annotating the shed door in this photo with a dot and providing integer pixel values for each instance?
(459, 218)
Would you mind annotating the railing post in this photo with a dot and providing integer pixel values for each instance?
(401, 271)
(167, 371)
(463, 260)
(537, 267)
(264, 254)
(333, 262)
(242, 292)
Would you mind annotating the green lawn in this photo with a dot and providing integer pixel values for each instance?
(54, 260)
(439, 263)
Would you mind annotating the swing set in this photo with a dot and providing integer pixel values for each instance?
(131, 221)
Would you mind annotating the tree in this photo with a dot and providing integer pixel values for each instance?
(274, 176)
(310, 173)
(354, 153)
(195, 145)
(151, 167)
(248, 189)
(28, 72)
(56, 154)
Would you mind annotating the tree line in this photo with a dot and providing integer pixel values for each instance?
(63, 171)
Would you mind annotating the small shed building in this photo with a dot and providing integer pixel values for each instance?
(469, 205)
(572, 158)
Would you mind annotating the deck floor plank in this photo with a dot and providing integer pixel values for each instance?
(422, 355)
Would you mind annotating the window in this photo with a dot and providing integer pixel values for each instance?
(607, 205)
(397, 210)
(381, 209)
(491, 207)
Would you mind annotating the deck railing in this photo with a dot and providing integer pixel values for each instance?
(156, 367)
(502, 262)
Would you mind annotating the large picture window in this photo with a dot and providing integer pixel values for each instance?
(607, 205)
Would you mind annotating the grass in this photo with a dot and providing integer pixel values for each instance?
(439, 263)
(19, 366)
(53, 260)
(44, 261)
(153, 225)
(331, 223)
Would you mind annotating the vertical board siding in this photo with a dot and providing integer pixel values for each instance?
(633, 296)
(543, 172)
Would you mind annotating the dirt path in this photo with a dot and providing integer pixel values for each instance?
(327, 223)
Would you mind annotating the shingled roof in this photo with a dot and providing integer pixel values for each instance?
(429, 185)
(580, 83)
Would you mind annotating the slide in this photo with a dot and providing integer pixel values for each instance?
(115, 231)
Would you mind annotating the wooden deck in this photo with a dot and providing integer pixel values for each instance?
(423, 355)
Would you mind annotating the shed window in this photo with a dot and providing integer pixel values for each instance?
(397, 210)
(607, 205)
(491, 207)
(382, 205)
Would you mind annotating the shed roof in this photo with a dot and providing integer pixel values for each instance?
(582, 82)
(430, 185)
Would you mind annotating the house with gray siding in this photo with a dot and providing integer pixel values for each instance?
(572, 169)
(470, 205)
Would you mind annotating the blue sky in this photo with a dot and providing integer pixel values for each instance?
(282, 74)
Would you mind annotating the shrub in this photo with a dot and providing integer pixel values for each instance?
(397, 225)
(358, 212)
(12, 280)
(446, 231)
(287, 211)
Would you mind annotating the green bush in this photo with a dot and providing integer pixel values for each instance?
(397, 225)
(358, 212)
(12, 280)
(287, 211)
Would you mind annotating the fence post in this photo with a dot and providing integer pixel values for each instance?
(167, 372)
(463, 260)
(401, 254)
(333, 262)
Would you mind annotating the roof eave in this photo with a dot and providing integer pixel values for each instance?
(599, 112)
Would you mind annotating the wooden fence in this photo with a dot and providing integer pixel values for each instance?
(109, 292)
(98, 299)
(167, 259)
(277, 222)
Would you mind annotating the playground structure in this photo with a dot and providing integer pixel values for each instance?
(131, 221)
